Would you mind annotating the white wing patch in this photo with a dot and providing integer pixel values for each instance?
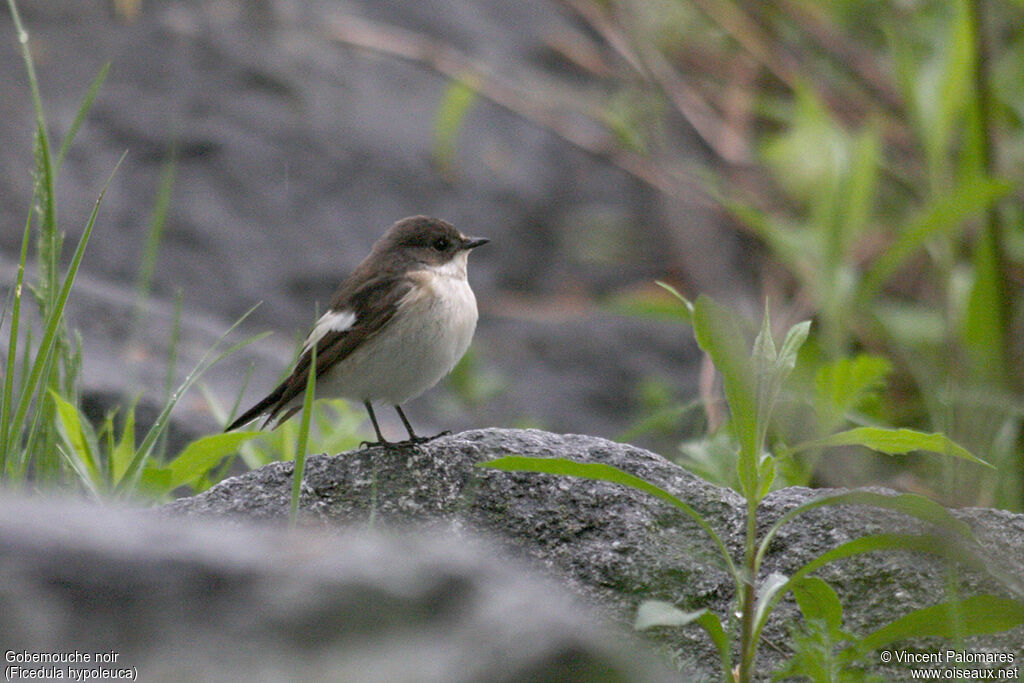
(331, 321)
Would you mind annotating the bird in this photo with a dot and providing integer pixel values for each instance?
(396, 325)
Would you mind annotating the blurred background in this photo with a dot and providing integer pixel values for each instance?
(858, 163)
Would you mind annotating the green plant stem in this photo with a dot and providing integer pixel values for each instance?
(7, 400)
(300, 454)
(748, 646)
(991, 240)
(986, 144)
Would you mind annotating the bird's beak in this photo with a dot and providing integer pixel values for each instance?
(474, 242)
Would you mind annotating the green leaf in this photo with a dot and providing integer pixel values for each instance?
(930, 544)
(941, 86)
(766, 475)
(913, 327)
(795, 338)
(841, 386)
(914, 505)
(808, 177)
(764, 354)
(766, 593)
(78, 435)
(976, 615)
(895, 442)
(687, 304)
(122, 452)
(653, 613)
(859, 192)
(202, 455)
(156, 480)
(719, 335)
(602, 472)
(817, 600)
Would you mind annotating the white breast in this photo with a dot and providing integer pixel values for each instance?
(427, 336)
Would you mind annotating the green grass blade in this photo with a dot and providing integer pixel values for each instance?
(30, 69)
(451, 114)
(7, 400)
(160, 424)
(157, 221)
(602, 472)
(983, 328)
(56, 315)
(78, 467)
(83, 109)
(44, 166)
(300, 453)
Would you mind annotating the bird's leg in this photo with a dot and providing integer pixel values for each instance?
(381, 441)
(412, 435)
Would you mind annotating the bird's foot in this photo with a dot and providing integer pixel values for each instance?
(411, 441)
(417, 440)
(388, 445)
(423, 439)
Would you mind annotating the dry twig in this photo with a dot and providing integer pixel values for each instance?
(453, 64)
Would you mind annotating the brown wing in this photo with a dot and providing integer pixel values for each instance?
(374, 304)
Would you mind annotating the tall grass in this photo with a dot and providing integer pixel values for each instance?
(45, 439)
(36, 369)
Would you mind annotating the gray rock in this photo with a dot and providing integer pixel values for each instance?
(295, 152)
(617, 546)
(201, 600)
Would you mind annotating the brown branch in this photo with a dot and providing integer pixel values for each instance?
(716, 132)
(848, 55)
(751, 38)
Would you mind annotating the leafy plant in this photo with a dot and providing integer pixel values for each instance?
(876, 173)
(753, 381)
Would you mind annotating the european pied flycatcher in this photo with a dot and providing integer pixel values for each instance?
(397, 325)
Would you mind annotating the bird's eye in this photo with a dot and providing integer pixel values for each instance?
(441, 244)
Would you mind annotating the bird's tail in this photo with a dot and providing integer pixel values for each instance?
(271, 404)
